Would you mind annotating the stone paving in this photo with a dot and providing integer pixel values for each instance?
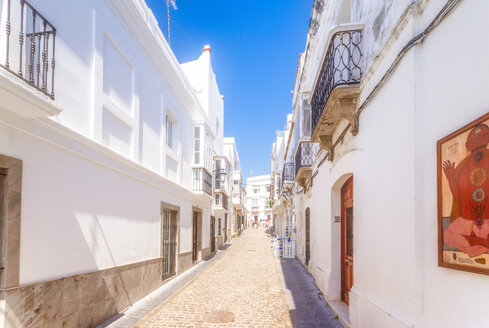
(306, 302)
(246, 287)
(143, 307)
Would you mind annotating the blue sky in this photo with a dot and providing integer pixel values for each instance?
(255, 48)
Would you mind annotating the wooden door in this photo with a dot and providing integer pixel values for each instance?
(346, 239)
(308, 235)
(169, 242)
(194, 236)
(213, 234)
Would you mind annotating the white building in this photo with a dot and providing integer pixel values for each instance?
(258, 191)
(107, 149)
(238, 212)
(380, 83)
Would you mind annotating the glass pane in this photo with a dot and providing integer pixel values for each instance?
(349, 231)
(307, 123)
(169, 132)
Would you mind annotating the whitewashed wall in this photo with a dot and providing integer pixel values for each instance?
(95, 175)
(260, 183)
(397, 281)
(451, 102)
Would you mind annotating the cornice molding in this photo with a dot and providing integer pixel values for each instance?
(150, 37)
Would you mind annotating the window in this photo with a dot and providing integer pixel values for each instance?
(219, 228)
(306, 120)
(208, 150)
(256, 189)
(268, 188)
(217, 177)
(169, 132)
(254, 202)
(197, 142)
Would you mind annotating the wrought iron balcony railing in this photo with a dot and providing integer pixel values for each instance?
(341, 66)
(30, 46)
(288, 173)
(304, 157)
(202, 180)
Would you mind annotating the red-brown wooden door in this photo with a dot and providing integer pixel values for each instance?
(346, 239)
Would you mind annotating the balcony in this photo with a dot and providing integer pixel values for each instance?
(222, 175)
(304, 157)
(202, 181)
(336, 89)
(220, 201)
(288, 175)
(28, 61)
(237, 200)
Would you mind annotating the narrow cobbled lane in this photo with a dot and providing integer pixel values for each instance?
(242, 289)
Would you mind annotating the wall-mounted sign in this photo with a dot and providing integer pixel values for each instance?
(463, 198)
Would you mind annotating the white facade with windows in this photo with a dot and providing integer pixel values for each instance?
(376, 120)
(258, 200)
(237, 213)
(115, 157)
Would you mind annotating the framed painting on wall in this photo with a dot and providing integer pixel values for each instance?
(463, 198)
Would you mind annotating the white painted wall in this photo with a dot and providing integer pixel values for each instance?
(94, 176)
(451, 103)
(83, 210)
(203, 82)
(258, 182)
(397, 281)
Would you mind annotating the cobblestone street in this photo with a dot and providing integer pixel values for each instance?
(244, 288)
(245, 282)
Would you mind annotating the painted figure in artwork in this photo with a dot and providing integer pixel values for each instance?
(469, 185)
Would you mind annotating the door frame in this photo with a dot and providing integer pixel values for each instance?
(176, 209)
(307, 240)
(196, 234)
(344, 207)
(213, 233)
(10, 220)
(225, 227)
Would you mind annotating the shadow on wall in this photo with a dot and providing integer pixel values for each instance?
(87, 299)
(306, 302)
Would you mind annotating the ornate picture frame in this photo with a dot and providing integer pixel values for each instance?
(463, 198)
